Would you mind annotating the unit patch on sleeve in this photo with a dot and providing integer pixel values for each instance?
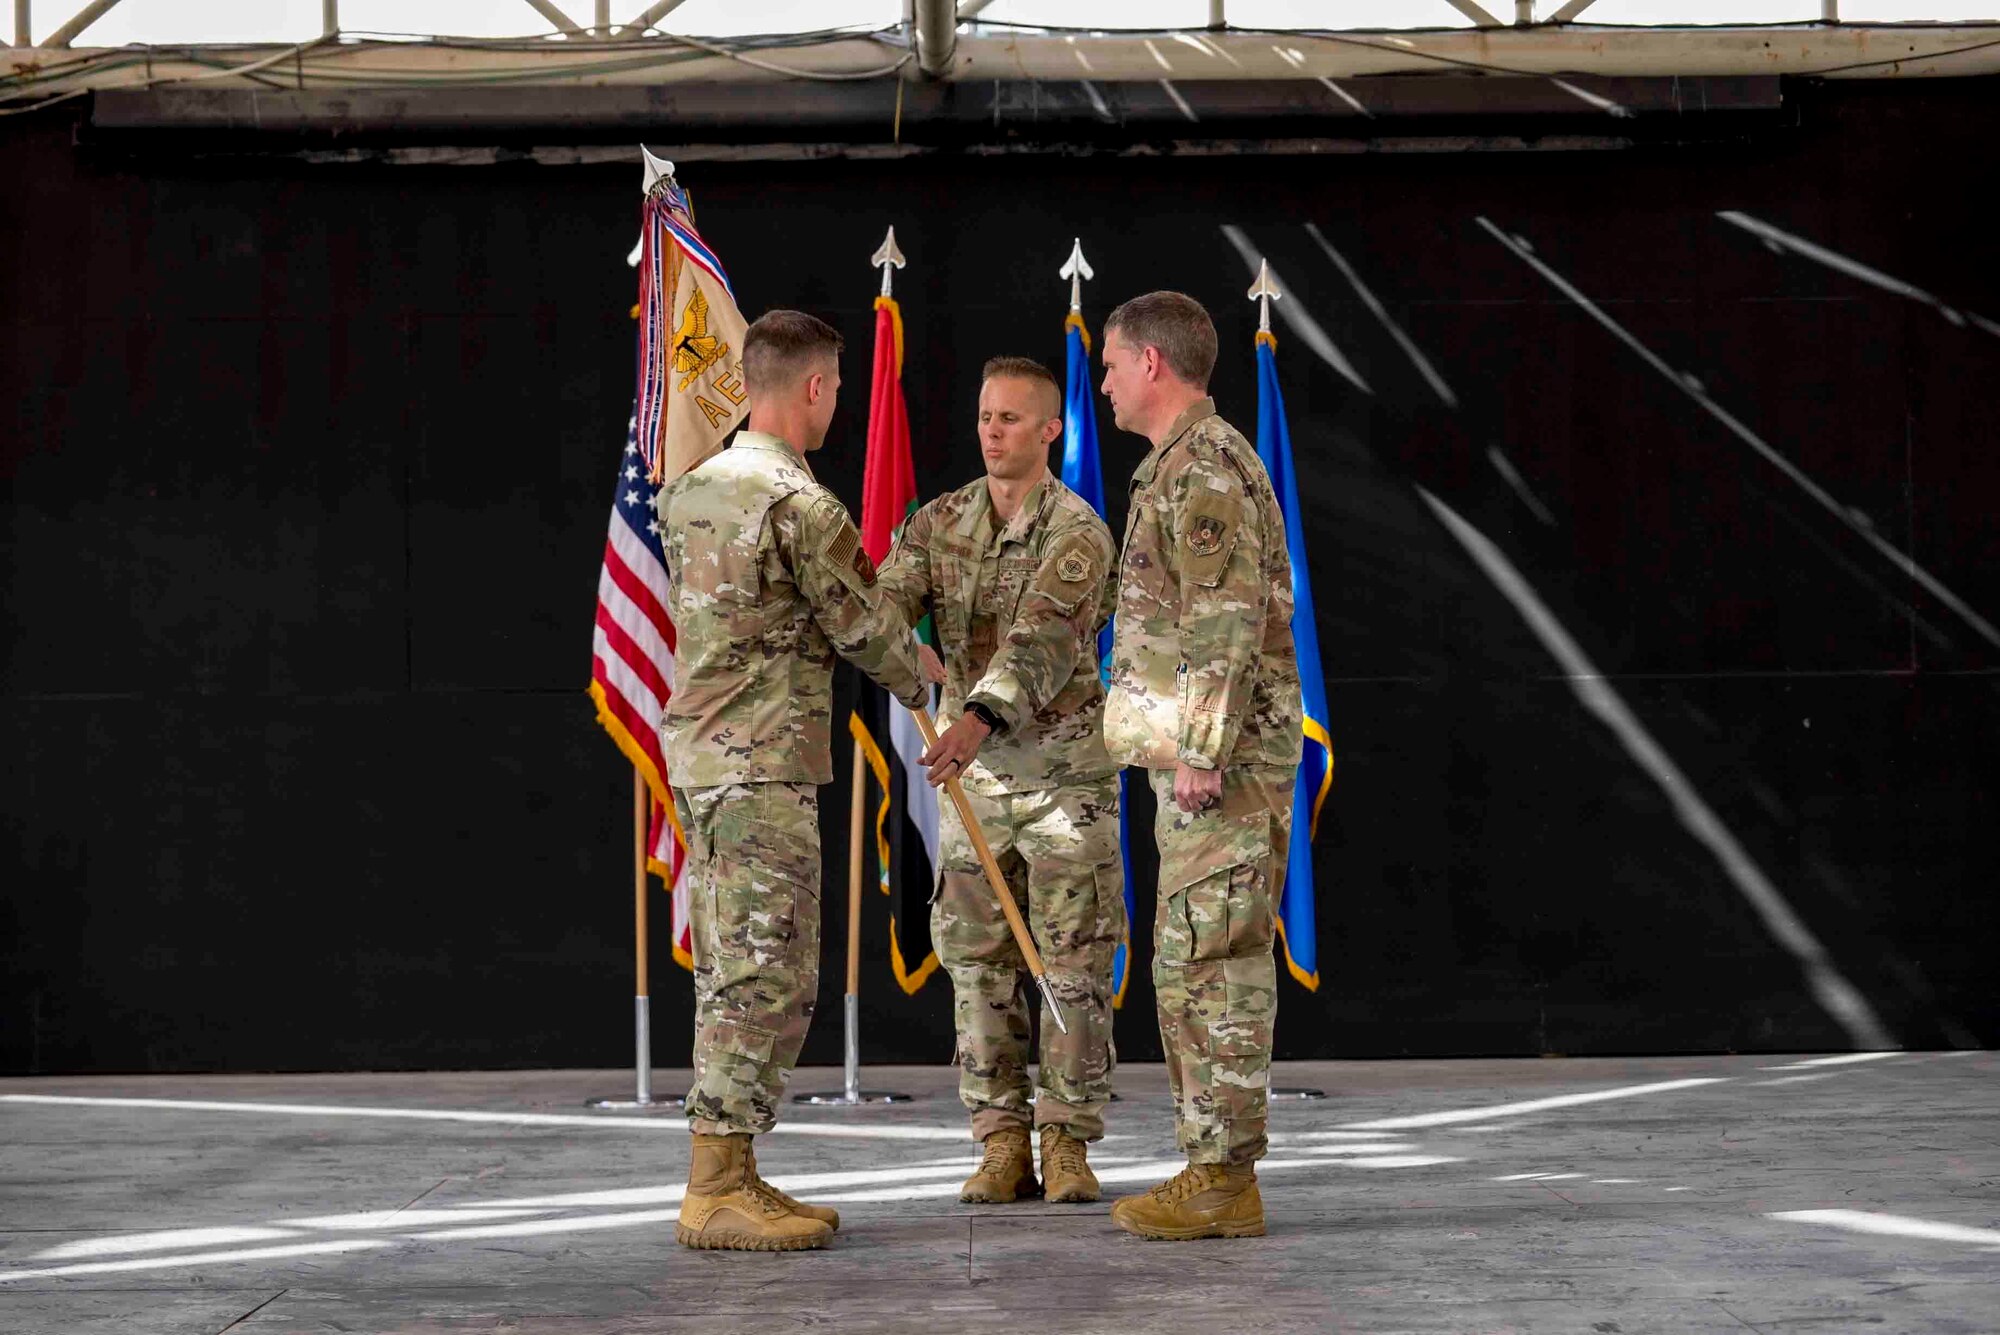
(1205, 533)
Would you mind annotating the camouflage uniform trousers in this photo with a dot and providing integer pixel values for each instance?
(1222, 874)
(753, 898)
(1058, 848)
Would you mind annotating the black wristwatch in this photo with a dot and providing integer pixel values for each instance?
(986, 716)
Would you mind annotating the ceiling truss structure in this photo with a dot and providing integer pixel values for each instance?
(945, 41)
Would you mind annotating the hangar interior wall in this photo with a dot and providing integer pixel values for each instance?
(1661, 659)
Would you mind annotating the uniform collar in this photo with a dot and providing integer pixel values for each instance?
(972, 520)
(769, 444)
(1200, 408)
(1194, 412)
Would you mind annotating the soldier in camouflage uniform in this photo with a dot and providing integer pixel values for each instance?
(1205, 696)
(768, 582)
(1015, 567)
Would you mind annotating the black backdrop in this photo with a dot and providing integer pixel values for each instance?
(308, 472)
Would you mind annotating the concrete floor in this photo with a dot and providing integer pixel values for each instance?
(1420, 1196)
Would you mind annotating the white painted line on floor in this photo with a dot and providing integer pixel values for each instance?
(1845, 1059)
(1518, 1177)
(163, 1241)
(1845, 514)
(589, 1223)
(414, 1218)
(1614, 1181)
(1296, 318)
(1680, 1188)
(1288, 1137)
(1534, 1105)
(1838, 997)
(196, 1258)
(1349, 1150)
(1559, 1177)
(673, 1124)
(1892, 1225)
(1798, 1079)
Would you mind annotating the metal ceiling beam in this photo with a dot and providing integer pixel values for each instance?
(84, 17)
(564, 23)
(647, 17)
(937, 36)
(1565, 51)
(1480, 18)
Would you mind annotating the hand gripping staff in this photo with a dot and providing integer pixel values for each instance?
(994, 878)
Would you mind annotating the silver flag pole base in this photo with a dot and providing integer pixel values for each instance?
(1298, 1092)
(852, 1095)
(642, 1070)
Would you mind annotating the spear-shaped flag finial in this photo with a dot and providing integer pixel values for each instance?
(1076, 268)
(657, 170)
(1264, 291)
(888, 259)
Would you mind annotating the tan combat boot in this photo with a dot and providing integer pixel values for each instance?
(1066, 1174)
(1006, 1170)
(727, 1208)
(826, 1214)
(1204, 1200)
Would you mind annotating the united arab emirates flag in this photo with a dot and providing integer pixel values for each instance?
(906, 822)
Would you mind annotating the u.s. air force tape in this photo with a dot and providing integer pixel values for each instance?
(843, 552)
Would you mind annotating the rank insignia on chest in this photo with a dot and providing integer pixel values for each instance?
(1073, 567)
(1205, 536)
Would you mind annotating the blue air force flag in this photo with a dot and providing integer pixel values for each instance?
(1083, 474)
(1274, 446)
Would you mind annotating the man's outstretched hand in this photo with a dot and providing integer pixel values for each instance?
(955, 750)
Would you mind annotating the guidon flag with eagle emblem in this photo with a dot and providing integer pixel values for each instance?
(691, 394)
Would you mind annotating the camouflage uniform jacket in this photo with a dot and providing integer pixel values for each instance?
(1017, 611)
(767, 582)
(1202, 666)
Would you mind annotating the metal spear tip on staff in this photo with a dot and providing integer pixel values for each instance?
(888, 258)
(994, 878)
(1076, 268)
(1264, 291)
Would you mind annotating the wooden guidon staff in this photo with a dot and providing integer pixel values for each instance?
(994, 877)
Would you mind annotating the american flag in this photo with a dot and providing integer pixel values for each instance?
(632, 663)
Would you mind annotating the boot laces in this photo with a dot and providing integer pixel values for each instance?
(1066, 1155)
(1190, 1181)
(768, 1198)
(772, 1201)
(998, 1155)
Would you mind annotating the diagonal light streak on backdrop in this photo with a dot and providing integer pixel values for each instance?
(1838, 997)
(1303, 326)
(1805, 483)
(1368, 298)
(1779, 239)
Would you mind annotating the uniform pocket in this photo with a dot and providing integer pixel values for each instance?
(763, 878)
(1229, 914)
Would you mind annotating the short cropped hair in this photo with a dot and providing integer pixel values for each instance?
(1177, 325)
(780, 346)
(1026, 368)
